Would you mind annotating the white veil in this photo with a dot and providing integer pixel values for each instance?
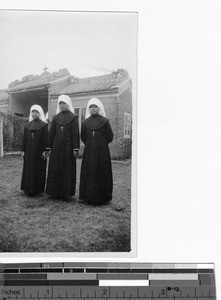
(66, 99)
(40, 110)
(98, 103)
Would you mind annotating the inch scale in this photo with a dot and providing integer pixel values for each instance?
(96, 281)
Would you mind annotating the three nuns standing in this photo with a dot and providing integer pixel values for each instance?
(62, 144)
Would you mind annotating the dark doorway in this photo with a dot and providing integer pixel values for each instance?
(21, 102)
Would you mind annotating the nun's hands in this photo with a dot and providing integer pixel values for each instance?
(75, 152)
(23, 154)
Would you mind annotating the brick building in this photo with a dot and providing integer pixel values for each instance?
(114, 90)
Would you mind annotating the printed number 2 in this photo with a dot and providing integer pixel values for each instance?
(104, 292)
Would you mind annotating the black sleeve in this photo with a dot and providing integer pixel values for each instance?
(109, 133)
(24, 140)
(83, 133)
(51, 134)
(45, 136)
(76, 137)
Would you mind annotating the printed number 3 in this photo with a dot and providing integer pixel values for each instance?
(162, 292)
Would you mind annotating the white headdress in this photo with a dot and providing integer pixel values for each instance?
(97, 102)
(40, 110)
(66, 99)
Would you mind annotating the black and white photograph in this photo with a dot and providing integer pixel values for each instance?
(67, 131)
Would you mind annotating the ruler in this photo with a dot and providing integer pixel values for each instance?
(131, 281)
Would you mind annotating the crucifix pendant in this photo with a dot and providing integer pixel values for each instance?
(93, 132)
(62, 128)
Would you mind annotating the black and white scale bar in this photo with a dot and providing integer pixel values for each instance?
(107, 280)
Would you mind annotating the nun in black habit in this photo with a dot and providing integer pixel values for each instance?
(33, 146)
(63, 146)
(96, 181)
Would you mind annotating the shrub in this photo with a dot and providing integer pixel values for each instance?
(13, 127)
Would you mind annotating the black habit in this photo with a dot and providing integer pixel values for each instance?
(34, 166)
(96, 181)
(63, 139)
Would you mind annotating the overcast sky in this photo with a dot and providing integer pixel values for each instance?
(86, 43)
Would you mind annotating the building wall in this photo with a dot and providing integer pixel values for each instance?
(122, 148)
(115, 105)
(4, 101)
(4, 106)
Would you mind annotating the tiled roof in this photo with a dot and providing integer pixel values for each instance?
(3, 95)
(29, 85)
(38, 81)
(94, 84)
(72, 85)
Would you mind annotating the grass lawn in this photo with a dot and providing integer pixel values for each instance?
(41, 224)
